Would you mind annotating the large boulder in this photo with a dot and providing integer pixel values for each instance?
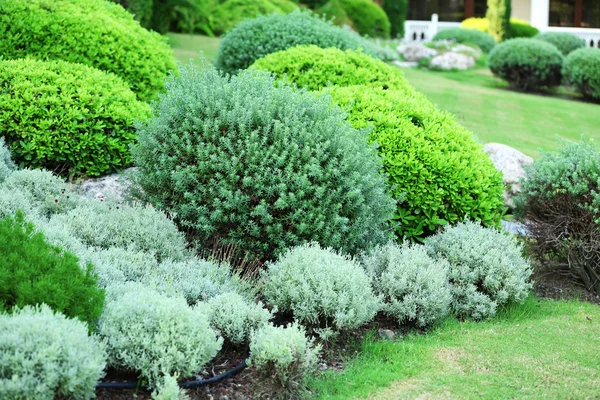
(113, 186)
(511, 163)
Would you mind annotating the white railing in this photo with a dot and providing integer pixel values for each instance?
(591, 36)
(424, 31)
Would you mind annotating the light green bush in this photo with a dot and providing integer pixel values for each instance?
(518, 27)
(582, 70)
(96, 33)
(527, 64)
(44, 356)
(255, 38)
(324, 290)
(433, 164)
(498, 14)
(67, 117)
(155, 335)
(229, 13)
(414, 285)
(169, 390)
(314, 68)
(333, 10)
(487, 268)
(47, 193)
(367, 17)
(468, 36)
(235, 317)
(6, 164)
(565, 42)
(132, 226)
(283, 354)
(241, 162)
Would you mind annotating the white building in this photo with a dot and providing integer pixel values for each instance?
(580, 17)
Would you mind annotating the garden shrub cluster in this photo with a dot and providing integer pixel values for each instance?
(67, 117)
(321, 288)
(258, 37)
(527, 64)
(96, 33)
(33, 272)
(487, 268)
(565, 42)
(414, 285)
(367, 17)
(518, 28)
(260, 167)
(227, 14)
(314, 68)
(560, 202)
(581, 70)
(468, 36)
(45, 355)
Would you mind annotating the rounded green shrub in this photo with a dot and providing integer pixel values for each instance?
(559, 203)
(483, 40)
(7, 166)
(314, 68)
(67, 117)
(155, 335)
(241, 162)
(527, 64)
(46, 356)
(255, 38)
(34, 272)
(96, 33)
(229, 13)
(435, 167)
(414, 285)
(565, 42)
(333, 10)
(141, 10)
(518, 28)
(487, 268)
(581, 69)
(367, 17)
(323, 290)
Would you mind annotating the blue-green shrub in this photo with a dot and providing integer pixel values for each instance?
(565, 42)
(483, 40)
(45, 356)
(96, 33)
(241, 162)
(69, 118)
(487, 268)
(527, 64)
(582, 70)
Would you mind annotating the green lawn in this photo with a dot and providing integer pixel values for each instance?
(188, 47)
(542, 349)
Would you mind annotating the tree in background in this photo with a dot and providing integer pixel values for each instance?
(498, 15)
(396, 11)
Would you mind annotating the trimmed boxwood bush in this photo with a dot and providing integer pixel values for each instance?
(34, 272)
(468, 36)
(241, 162)
(333, 10)
(69, 118)
(255, 38)
(313, 68)
(367, 17)
(518, 28)
(96, 33)
(565, 42)
(581, 69)
(435, 167)
(46, 356)
(527, 64)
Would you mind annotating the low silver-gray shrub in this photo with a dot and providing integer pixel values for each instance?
(45, 355)
(414, 285)
(323, 289)
(487, 268)
(6, 164)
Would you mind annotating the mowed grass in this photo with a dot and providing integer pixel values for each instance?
(542, 349)
(188, 47)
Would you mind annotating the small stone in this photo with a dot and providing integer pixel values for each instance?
(322, 367)
(387, 334)
(511, 162)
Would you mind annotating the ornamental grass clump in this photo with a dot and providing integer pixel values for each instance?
(45, 355)
(314, 68)
(560, 204)
(239, 162)
(582, 71)
(155, 335)
(323, 290)
(414, 285)
(34, 272)
(527, 64)
(487, 268)
(69, 118)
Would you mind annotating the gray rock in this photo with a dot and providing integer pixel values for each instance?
(113, 185)
(511, 163)
(387, 334)
(515, 228)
